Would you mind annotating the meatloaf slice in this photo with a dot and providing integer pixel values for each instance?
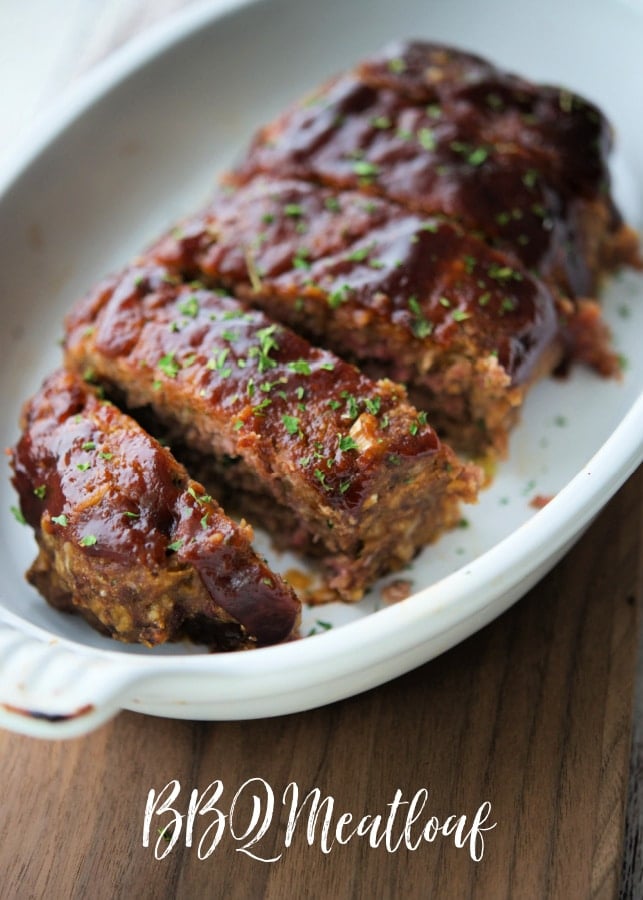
(345, 466)
(128, 540)
(411, 298)
(446, 132)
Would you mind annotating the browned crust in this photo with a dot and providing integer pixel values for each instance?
(368, 477)
(128, 540)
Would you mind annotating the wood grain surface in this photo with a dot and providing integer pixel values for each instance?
(532, 714)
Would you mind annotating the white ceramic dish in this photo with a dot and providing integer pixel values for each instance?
(137, 145)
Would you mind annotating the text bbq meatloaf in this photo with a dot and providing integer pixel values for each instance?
(128, 540)
(345, 467)
(443, 131)
(416, 299)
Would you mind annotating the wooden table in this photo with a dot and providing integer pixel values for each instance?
(533, 715)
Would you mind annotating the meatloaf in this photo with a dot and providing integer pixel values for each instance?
(128, 540)
(444, 131)
(413, 298)
(334, 463)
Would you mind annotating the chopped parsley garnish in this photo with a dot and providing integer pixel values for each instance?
(360, 254)
(469, 263)
(267, 343)
(89, 445)
(373, 405)
(397, 65)
(421, 326)
(530, 178)
(338, 296)
(175, 545)
(477, 156)
(168, 365)
(259, 408)
(204, 498)
(293, 210)
(40, 491)
(18, 516)
(300, 259)
(83, 466)
(60, 520)
(332, 204)
(503, 273)
(321, 478)
(88, 540)
(190, 307)
(381, 122)
(131, 515)
(216, 363)
(300, 367)
(346, 442)
(291, 424)
(104, 454)
(426, 137)
(365, 169)
(352, 410)
(459, 315)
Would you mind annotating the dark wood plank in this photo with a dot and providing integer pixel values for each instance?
(532, 714)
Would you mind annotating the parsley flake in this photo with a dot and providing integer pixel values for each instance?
(365, 169)
(168, 365)
(190, 307)
(18, 516)
(346, 442)
(291, 424)
(426, 137)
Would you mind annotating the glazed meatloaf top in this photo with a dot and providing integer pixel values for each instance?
(443, 131)
(396, 282)
(128, 539)
(350, 456)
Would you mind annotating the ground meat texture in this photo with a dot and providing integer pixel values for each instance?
(353, 470)
(446, 132)
(411, 298)
(128, 540)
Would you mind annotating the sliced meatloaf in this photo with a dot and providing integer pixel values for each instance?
(334, 463)
(412, 298)
(128, 540)
(446, 132)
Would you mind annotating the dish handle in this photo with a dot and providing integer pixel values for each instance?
(49, 691)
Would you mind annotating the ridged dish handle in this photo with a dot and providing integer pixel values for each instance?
(48, 691)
